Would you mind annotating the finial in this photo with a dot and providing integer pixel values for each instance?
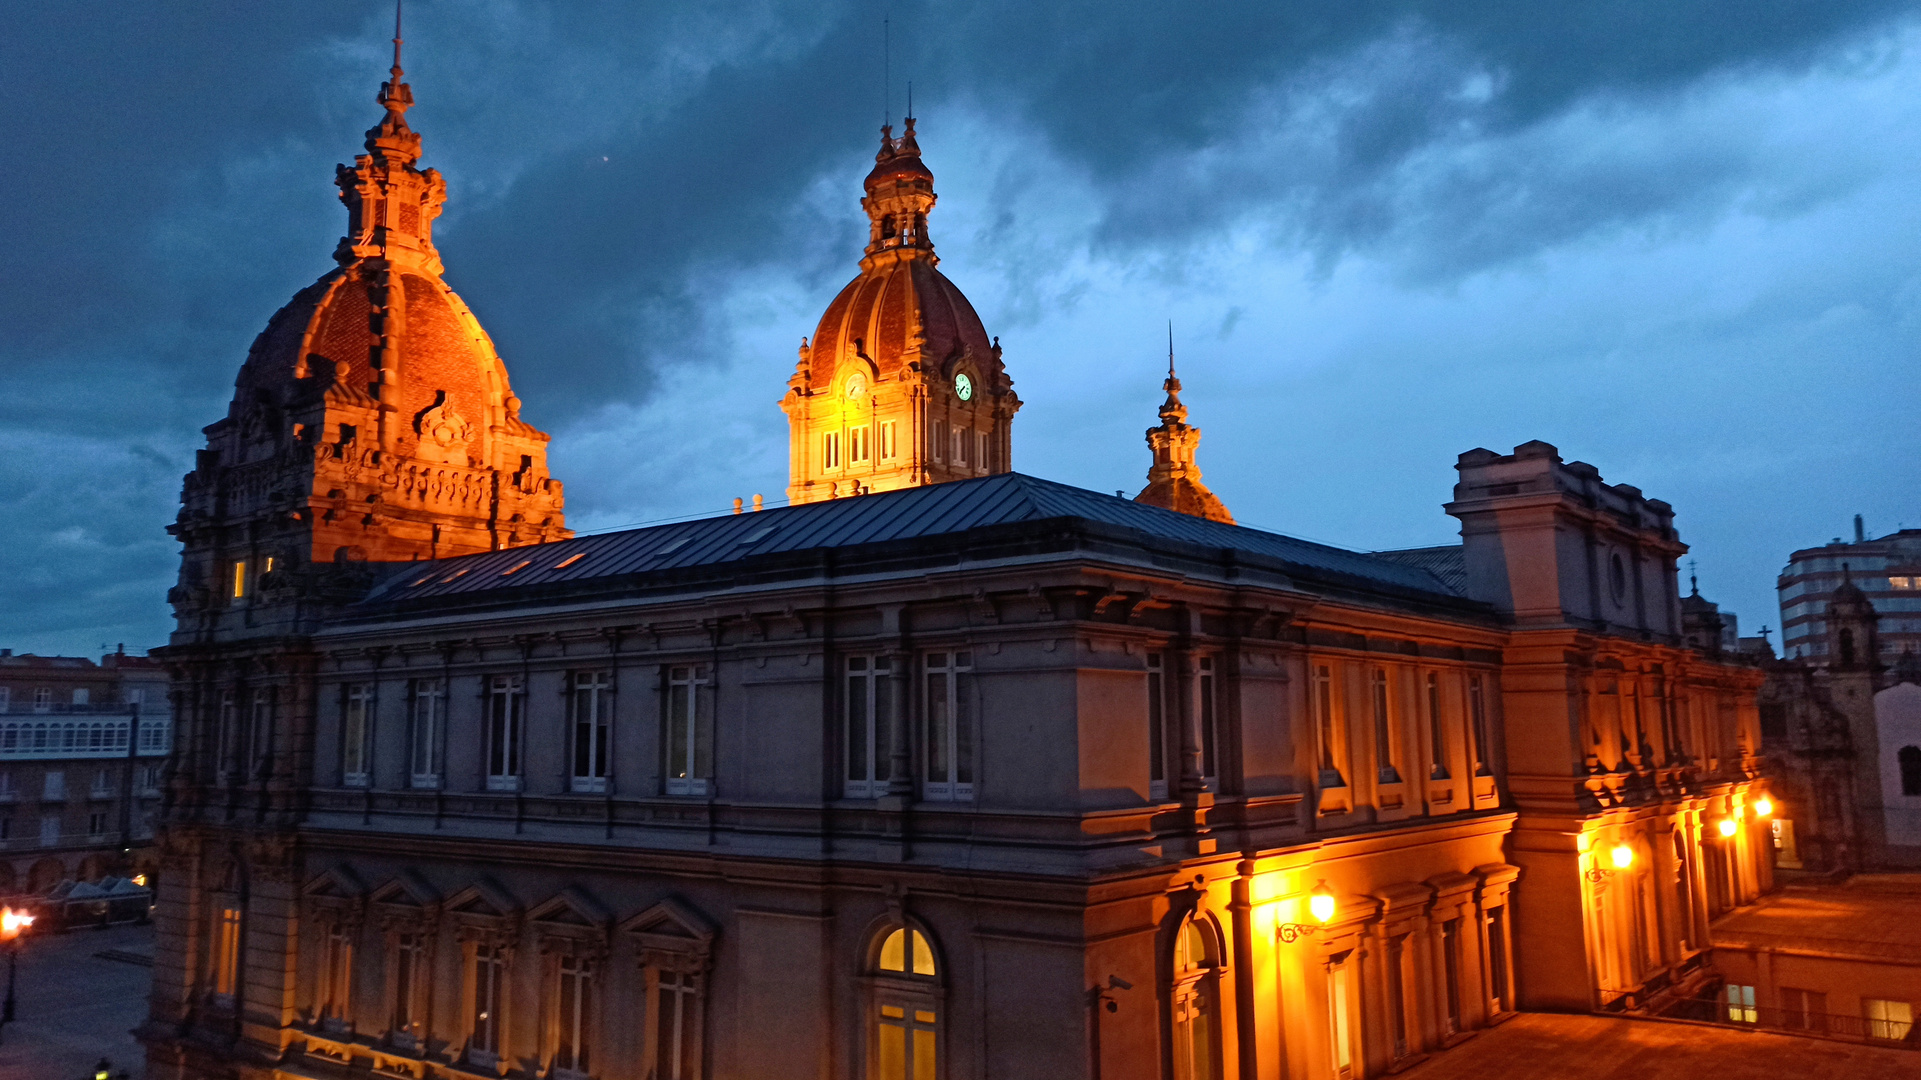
(1692, 582)
(1170, 348)
(397, 40)
(910, 104)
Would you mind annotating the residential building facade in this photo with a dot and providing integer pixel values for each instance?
(83, 746)
(1887, 571)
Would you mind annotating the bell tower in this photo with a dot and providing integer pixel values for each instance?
(900, 385)
(1174, 479)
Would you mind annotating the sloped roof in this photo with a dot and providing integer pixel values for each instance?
(910, 513)
(1447, 562)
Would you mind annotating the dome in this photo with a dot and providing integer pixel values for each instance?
(874, 318)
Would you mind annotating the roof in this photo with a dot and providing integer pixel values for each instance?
(1870, 917)
(1557, 1047)
(938, 510)
(1447, 562)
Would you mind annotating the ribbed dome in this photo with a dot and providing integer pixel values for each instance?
(325, 338)
(874, 317)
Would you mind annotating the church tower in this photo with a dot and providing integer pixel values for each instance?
(900, 385)
(1174, 480)
(372, 420)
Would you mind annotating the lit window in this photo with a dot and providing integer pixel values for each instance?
(870, 726)
(690, 732)
(857, 445)
(1340, 994)
(239, 579)
(516, 568)
(1891, 1020)
(336, 977)
(506, 713)
(950, 727)
(906, 1008)
(1194, 1000)
(593, 728)
(830, 450)
(226, 956)
(570, 560)
(886, 440)
(1741, 1004)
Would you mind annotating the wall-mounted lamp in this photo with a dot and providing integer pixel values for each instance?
(1763, 807)
(1728, 826)
(1320, 904)
(1622, 856)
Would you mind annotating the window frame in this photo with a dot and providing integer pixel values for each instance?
(356, 734)
(695, 727)
(1437, 730)
(590, 703)
(575, 1021)
(867, 725)
(505, 732)
(950, 726)
(427, 731)
(1381, 699)
(1327, 726)
(1157, 785)
(906, 999)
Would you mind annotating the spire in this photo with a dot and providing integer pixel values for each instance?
(392, 138)
(900, 193)
(1174, 480)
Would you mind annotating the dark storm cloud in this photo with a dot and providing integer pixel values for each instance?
(169, 180)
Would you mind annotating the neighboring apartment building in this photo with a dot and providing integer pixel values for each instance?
(1887, 571)
(978, 775)
(76, 801)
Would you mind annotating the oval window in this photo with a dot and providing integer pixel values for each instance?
(1618, 577)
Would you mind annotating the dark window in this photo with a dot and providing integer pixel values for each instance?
(1847, 648)
(1910, 759)
(1774, 720)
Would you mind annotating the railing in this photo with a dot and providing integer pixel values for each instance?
(1798, 1021)
(80, 731)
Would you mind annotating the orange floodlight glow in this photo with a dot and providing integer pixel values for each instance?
(13, 923)
(1320, 903)
(1623, 856)
(1763, 806)
(1728, 826)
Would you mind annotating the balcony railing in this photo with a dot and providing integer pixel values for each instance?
(1798, 1021)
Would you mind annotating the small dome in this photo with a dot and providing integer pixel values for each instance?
(873, 317)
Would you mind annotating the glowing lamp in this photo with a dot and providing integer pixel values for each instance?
(1728, 826)
(1623, 856)
(1320, 904)
(13, 923)
(1763, 806)
(140, 880)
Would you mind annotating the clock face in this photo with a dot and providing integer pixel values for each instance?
(964, 386)
(856, 385)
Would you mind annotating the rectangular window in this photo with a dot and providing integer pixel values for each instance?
(150, 779)
(410, 967)
(980, 451)
(6, 828)
(1156, 728)
(82, 696)
(950, 727)
(1497, 960)
(336, 977)
(239, 579)
(96, 825)
(1477, 723)
(888, 450)
(677, 1032)
(1324, 725)
(506, 715)
(102, 783)
(830, 450)
(690, 732)
(857, 445)
(1436, 730)
(960, 447)
(53, 786)
(1741, 1004)
(429, 732)
(870, 726)
(1451, 971)
(1383, 728)
(262, 730)
(50, 830)
(593, 705)
(43, 699)
(353, 735)
(1889, 1020)
(573, 1018)
(938, 441)
(1397, 994)
(1210, 757)
(1804, 1010)
(6, 785)
(6, 698)
(490, 972)
(1339, 996)
(226, 953)
(906, 1037)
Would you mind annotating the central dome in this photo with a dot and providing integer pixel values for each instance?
(875, 318)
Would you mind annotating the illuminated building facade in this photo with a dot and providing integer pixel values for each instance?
(972, 775)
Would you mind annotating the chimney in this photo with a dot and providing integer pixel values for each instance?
(1860, 534)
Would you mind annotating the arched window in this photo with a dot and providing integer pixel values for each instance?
(1910, 760)
(1195, 1001)
(1847, 648)
(905, 1013)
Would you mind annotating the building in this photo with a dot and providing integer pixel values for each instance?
(1887, 571)
(1841, 725)
(942, 770)
(79, 785)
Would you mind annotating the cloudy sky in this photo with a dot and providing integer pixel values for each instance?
(1677, 239)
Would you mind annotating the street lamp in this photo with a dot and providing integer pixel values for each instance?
(1763, 807)
(12, 925)
(1728, 826)
(1622, 856)
(1320, 904)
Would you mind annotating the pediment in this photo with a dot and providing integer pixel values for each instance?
(408, 890)
(673, 925)
(339, 883)
(571, 907)
(482, 900)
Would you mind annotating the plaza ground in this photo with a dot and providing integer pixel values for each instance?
(75, 1007)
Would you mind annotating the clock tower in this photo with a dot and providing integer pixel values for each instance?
(900, 385)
